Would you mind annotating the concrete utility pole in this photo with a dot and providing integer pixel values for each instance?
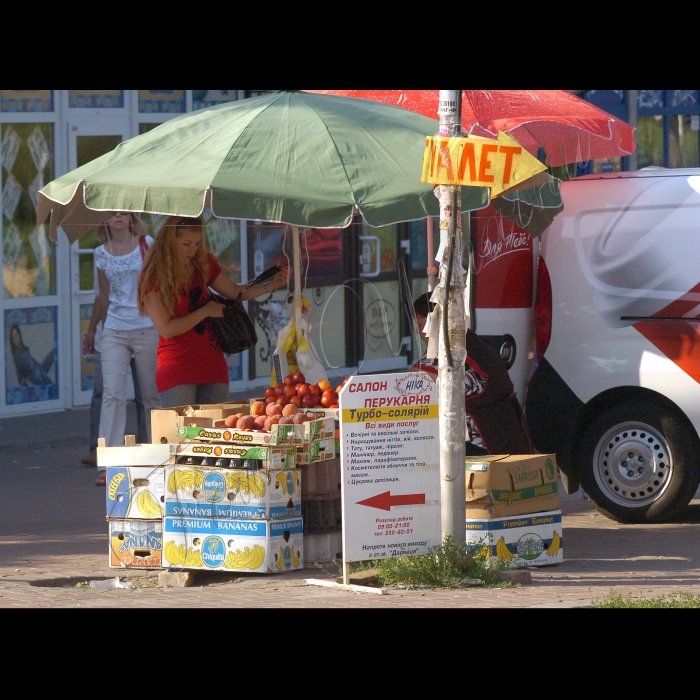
(452, 350)
(632, 121)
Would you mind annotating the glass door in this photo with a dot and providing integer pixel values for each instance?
(87, 141)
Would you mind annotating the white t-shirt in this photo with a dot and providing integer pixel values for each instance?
(122, 273)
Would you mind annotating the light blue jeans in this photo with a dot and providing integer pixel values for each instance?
(190, 394)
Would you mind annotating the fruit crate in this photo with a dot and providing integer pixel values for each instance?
(321, 515)
(321, 480)
(323, 548)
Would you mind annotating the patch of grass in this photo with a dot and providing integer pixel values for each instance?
(449, 565)
(677, 599)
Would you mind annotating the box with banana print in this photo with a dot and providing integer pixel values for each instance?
(135, 544)
(135, 492)
(211, 492)
(535, 539)
(260, 546)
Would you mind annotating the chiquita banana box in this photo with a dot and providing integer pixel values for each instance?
(535, 539)
(135, 544)
(261, 546)
(204, 492)
(135, 492)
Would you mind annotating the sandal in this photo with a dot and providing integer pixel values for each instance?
(101, 479)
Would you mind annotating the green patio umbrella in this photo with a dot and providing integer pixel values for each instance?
(290, 157)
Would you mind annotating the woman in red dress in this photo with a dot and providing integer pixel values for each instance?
(174, 291)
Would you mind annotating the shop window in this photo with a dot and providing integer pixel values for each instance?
(26, 100)
(683, 141)
(31, 342)
(145, 128)
(378, 250)
(650, 141)
(29, 265)
(95, 99)
(159, 101)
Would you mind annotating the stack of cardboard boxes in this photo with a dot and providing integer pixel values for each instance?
(204, 496)
(512, 505)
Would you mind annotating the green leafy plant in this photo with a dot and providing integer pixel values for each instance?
(677, 599)
(449, 565)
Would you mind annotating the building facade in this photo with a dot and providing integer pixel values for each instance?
(355, 279)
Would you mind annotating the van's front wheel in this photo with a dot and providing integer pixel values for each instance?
(638, 463)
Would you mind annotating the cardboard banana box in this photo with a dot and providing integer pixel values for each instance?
(207, 492)
(498, 486)
(259, 546)
(135, 544)
(535, 539)
(135, 492)
(283, 457)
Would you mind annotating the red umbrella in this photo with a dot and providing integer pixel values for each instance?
(569, 129)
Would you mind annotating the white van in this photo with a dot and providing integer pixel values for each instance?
(616, 390)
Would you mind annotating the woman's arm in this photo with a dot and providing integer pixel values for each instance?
(225, 286)
(168, 327)
(99, 312)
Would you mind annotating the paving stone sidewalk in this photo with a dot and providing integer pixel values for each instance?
(53, 536)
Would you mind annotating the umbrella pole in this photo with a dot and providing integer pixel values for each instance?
(298, 301)
(452, 350)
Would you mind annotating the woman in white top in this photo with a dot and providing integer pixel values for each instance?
(125, 332)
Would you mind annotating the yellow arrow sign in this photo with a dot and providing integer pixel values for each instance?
(477, 162)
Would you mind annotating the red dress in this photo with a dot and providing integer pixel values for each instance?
(495, 418)
(193, 357)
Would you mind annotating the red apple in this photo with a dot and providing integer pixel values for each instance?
(298, 378)
(282, 400)
(270, 399)
(303, 390)
(309, 400)
(323, 385)
(289, 379)
(279, 389)
(295, 400)
(270, 391)
(313, 388)
(290, 390)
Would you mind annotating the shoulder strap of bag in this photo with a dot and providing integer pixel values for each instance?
(143, 246)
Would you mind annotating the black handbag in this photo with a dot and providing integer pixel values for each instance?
(234, 332)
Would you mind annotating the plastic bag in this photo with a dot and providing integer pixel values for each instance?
(286, 343)
(307, 358)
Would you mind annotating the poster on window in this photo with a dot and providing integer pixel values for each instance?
(29, 260)
(31, 352)
(161, 101)
(26, 100)
(207, 98)
(95, 99)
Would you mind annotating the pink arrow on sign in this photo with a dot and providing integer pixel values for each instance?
(384, 501)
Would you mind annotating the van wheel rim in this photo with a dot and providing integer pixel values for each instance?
(632, 464)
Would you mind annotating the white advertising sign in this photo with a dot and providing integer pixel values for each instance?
(390, 462)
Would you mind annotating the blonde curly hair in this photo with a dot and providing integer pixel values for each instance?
(163, 272)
